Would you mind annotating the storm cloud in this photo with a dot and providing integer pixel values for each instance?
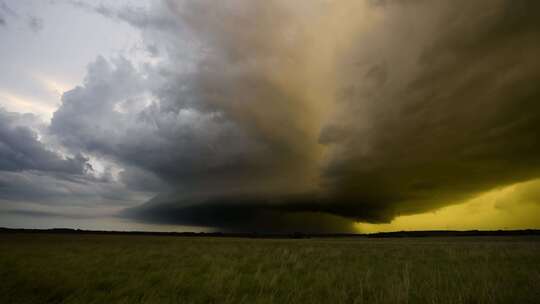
(447, 114)
(36, 178)
(431, 103)
(282, 116)
(20, 148)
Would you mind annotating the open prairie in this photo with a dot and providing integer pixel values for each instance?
(58, 268)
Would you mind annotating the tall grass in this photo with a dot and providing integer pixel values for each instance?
(144, 269)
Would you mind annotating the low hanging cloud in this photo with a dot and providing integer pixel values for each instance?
(308, 116)
(21, 150)
(461, 120)
(37, 178)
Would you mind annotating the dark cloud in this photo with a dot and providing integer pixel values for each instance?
(461, 121)
(255, 213)
(34, 173)
(20, 149)
(112, 115)
(44, 214)
(527, 193)
(31, 188)
(279, 117)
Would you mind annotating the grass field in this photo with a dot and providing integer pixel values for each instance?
(43, 268)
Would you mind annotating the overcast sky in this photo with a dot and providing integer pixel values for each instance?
(274, 116)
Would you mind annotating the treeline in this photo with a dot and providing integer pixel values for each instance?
(454, 233)
(294, 235)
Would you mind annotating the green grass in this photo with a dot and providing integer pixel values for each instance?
(41, 268)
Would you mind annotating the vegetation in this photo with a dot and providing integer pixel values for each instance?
(71, 268)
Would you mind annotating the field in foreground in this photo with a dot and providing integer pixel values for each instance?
(43, 268)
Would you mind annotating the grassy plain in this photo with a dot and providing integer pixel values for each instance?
(51, 268)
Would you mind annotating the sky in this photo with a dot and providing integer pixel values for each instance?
(270, 116)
